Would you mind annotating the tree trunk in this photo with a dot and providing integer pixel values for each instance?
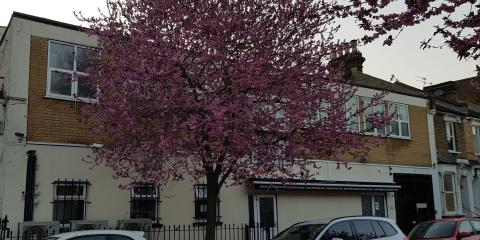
(212, 198)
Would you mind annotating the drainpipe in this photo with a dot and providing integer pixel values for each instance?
(30, 186)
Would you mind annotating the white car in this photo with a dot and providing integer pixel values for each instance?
(344, 228)
(99, 235)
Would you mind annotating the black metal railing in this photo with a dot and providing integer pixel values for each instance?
(164, 232)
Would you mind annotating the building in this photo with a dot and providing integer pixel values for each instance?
(43, 177)
(457, 137)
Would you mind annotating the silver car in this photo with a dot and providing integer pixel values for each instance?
(99, 235)
(344, 228)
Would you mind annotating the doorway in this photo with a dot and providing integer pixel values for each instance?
(262, 216)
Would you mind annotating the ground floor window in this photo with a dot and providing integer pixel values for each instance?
(144, 202)
(69, 200)
(373, 205)
(201, 204)
(449, 192)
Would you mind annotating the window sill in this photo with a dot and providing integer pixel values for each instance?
(71, 99)
(400, 137)
(454, 152)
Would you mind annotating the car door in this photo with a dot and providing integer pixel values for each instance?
(466, 226)
(339, 230)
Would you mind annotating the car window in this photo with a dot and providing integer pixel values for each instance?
(387, 228)
(476, 225)
(298, 232)
(118, 237)
(341, 230)
(364, 229)
(465, 226)
(378, 229)
(441, 229)
(90, 237)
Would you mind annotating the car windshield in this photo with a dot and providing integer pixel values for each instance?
(443, 229)
(300, 232)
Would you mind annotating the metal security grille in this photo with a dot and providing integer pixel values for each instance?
(201, 204)
(144, 202)
(69, 200)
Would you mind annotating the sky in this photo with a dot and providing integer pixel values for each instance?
(404, 59)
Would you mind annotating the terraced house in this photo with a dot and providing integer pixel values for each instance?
(45, 182)
(457, 124)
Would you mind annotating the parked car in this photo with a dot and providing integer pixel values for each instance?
(447, 229)
(99, 235)
(344, 228)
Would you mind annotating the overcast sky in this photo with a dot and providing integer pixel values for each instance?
(404, 59)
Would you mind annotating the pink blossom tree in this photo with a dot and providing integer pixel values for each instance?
(459, 26)
(221, 91)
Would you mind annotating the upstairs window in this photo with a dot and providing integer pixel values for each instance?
(399, 124)
(451, 137)
(370, 113)
(351, 115)
(476, 139)
(66, 71)
(144, 202)
(69, 200)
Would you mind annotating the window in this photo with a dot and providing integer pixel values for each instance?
(351, 115)
(301, 232)
(451, 138)
(339, 230)
(144, 202)
(387, 228)
(69, 200)
(399, 124)
(370, 113)
(364, 229)
(465, 226)
(201, 204)
(373, 205)
(476, 225)
(66, 70)
(449, 192)
(91, 237)
(379, 232)
(442, 229)
(476, 139)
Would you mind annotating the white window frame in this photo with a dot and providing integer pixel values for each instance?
(399, 122)
(453, 191)
(451, 134)
(350, 112)
(375, 109)
(476, 134)
(74, 87)
(155, 195)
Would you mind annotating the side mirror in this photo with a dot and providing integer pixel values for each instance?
(464, 234)
(337, 238)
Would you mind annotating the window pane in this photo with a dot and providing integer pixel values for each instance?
(476, 225)
(465, 226)
(402, 112)
(118, 237)
(442, 229)
(61, 83)
(267, 212)
(85, 90)
(82, 58)
(405, 131)
(389, 230)
(378, 230)
(447, 182)
(379, 206)
(143, 208)
(301, 232)
(340, 230)
(70, 190)
(449, 202)
(394, 128)
(367, 206)
(364, 230)
(67, 210)
(61, 56)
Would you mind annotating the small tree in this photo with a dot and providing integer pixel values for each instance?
(220, 90)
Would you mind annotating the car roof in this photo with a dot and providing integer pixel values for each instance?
(329, 220)
(133, 234)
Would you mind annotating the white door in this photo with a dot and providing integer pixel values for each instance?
(264, 217)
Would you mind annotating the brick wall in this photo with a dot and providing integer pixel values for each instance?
(413, 152)
(50, 120)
